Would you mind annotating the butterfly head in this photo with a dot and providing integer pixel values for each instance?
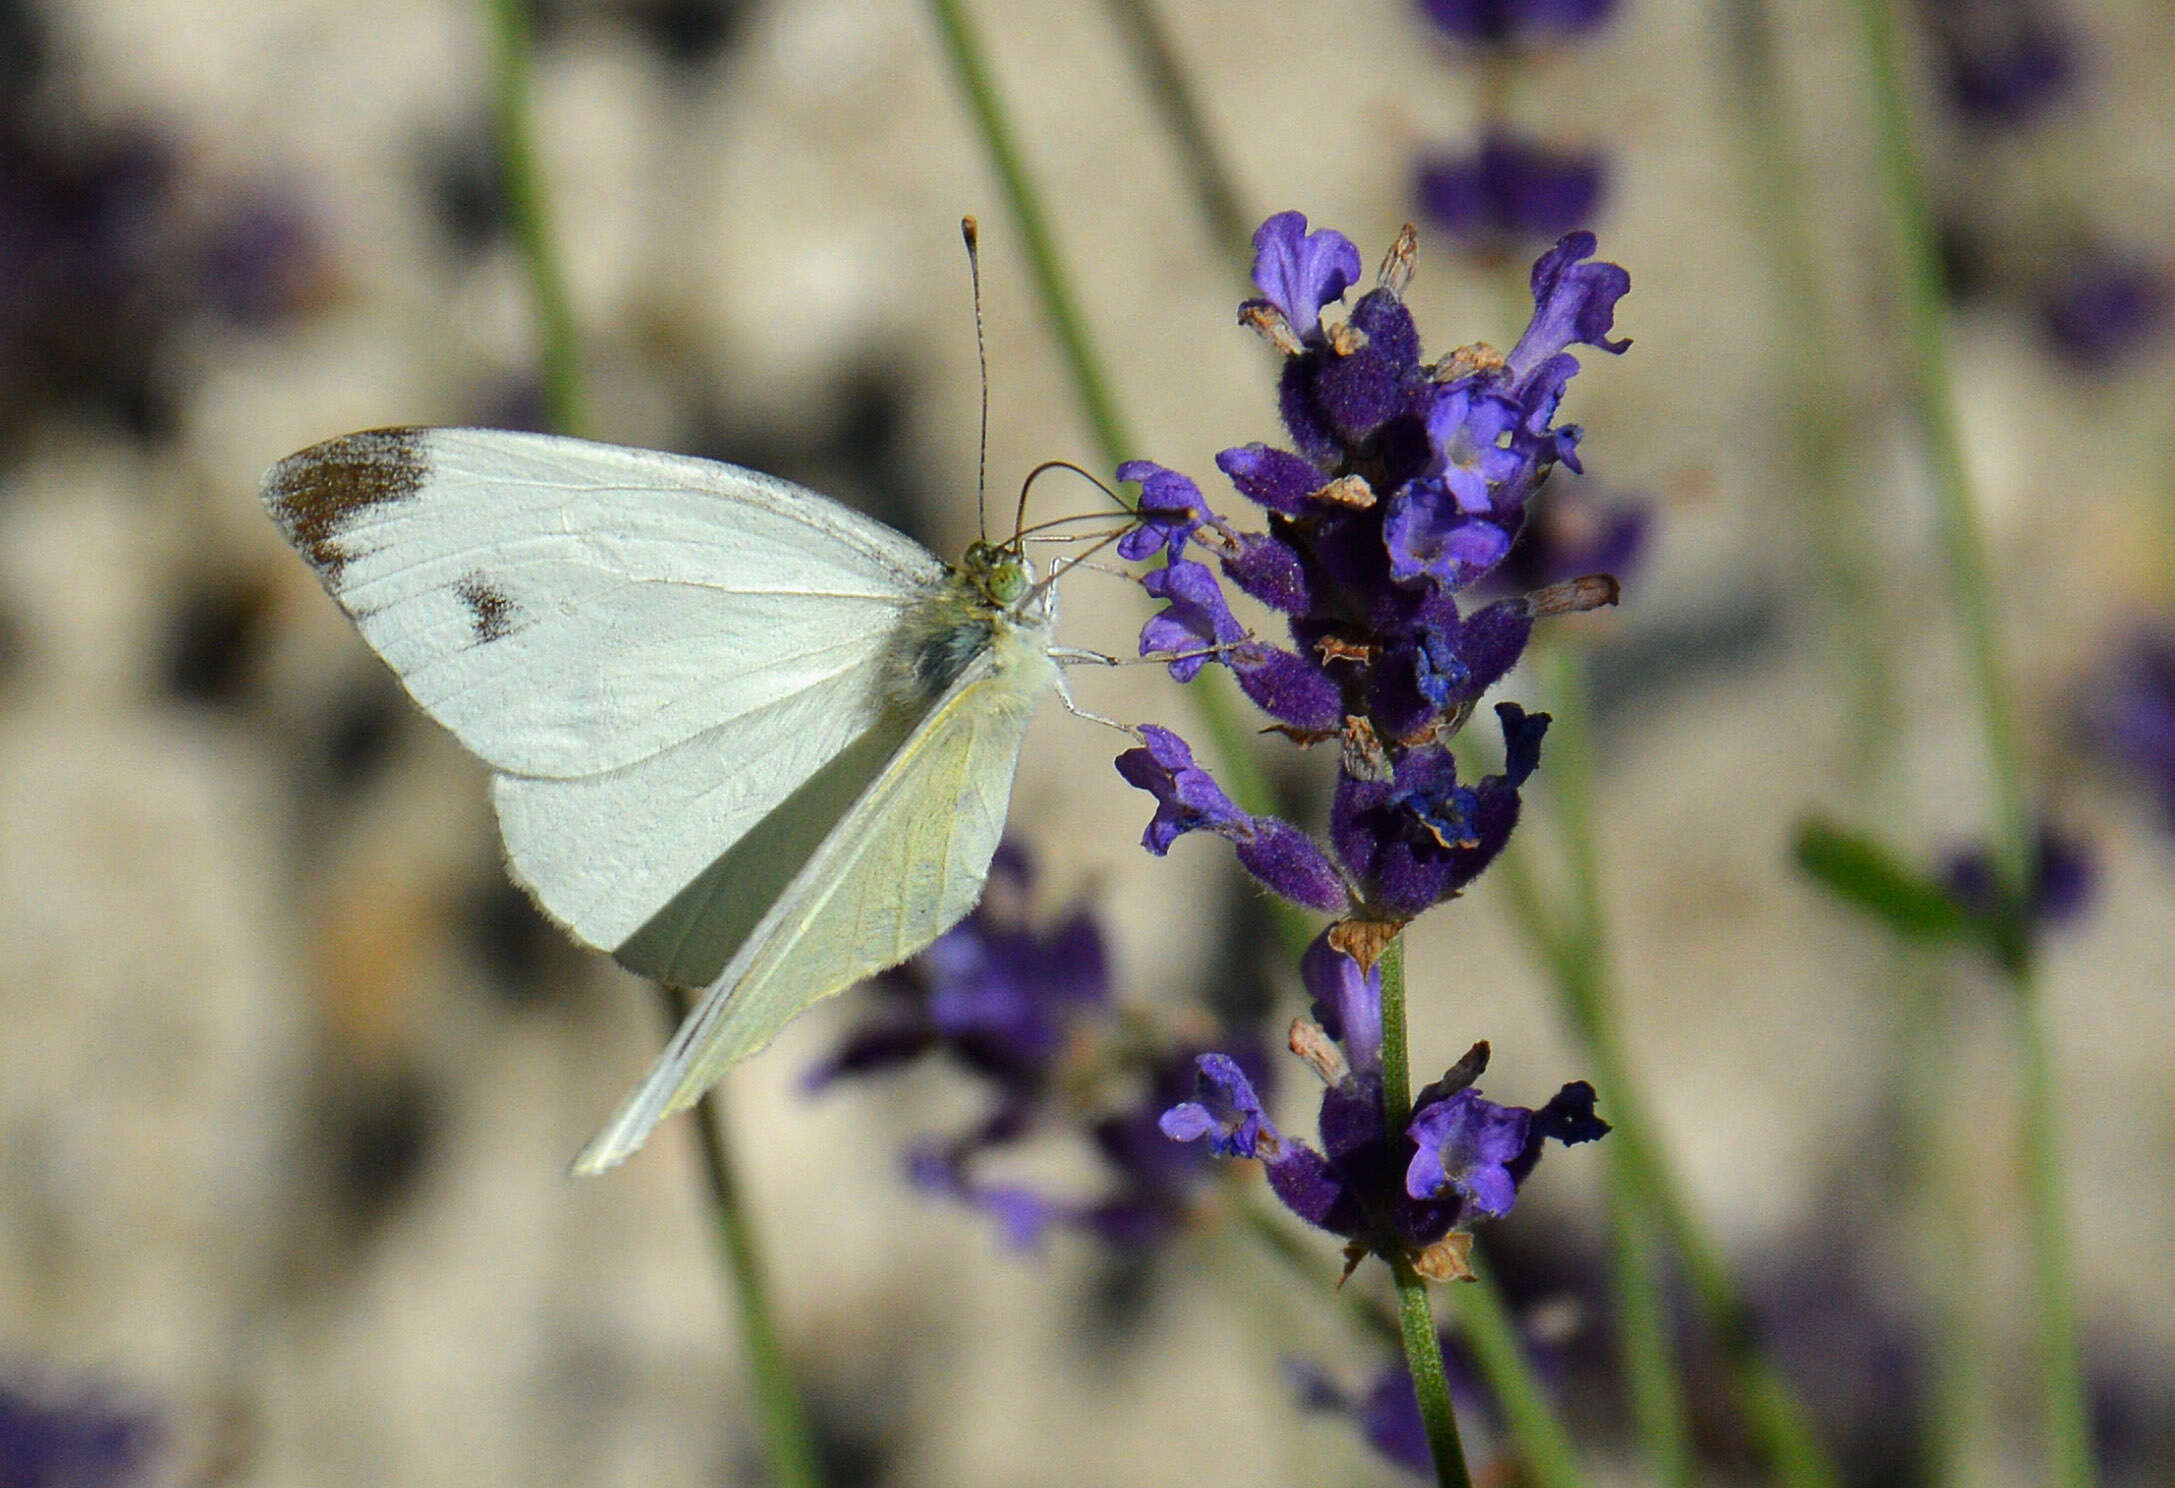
(999, 574)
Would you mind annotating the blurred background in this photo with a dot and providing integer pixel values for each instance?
(289, 1075)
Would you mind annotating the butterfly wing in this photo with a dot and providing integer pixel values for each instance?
(652, 651)
(903, 865)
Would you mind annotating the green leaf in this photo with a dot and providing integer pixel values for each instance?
(1862, 872)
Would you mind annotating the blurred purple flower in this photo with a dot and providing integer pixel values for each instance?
(2004, 63)
(2063, 873)
(1508, 193)
(2132, 714)
(47, 1441)
(109, 250)
(2106, 309)
(1573, 529)
(1000, 995)
(1515, 22)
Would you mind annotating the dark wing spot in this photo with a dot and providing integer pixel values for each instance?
(316, 494)
(495, 616)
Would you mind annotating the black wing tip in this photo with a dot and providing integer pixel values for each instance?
(314, 494)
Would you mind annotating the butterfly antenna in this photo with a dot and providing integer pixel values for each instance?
(1019, 517)
(971, 231)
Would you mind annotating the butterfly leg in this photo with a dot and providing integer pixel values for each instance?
(1064, 690)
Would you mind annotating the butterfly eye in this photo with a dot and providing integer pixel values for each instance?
(997, 572)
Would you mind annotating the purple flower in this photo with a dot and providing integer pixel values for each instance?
(1171, 510)
(1024, 1217)
(1509, 192)
(1276, 853)
(1515, 22)
(1466, 1146)
(2132, 716)
(2005, 63)
(2106, 309)
(1226, 1111)
(1198, 625)
(1460, 1159)
(1300, 272)
(1420, 836)
(1574, 529)
(1277, 479)
(1574, 303)
(1187, 797)
(1347, 1003)
(1017, 1003)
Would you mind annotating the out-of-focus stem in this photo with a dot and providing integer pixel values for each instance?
(1932, 391)
(2063, 1405)
(787, 1442)
(528, 212)
(1823, 429)
(1543, 1447)
(1773, 1414)
(1657, 1393)
(1171, 91)
(785, 1433)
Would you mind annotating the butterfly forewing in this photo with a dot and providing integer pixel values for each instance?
(569, 608)
(621, 634)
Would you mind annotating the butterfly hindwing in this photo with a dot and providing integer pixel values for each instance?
(904, 865)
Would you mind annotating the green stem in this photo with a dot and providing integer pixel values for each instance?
(1657, 1390)
(1430, 1385)
(1415, 1318)
(2066, 1408)
(2063, 1405)
(527, 210)
(1172, 94)
(1396, 1058)
(1536, 1436)
(787, 1441)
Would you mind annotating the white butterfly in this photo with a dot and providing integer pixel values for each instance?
(743, 738)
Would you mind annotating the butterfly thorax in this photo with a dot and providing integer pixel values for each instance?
(989, 601)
